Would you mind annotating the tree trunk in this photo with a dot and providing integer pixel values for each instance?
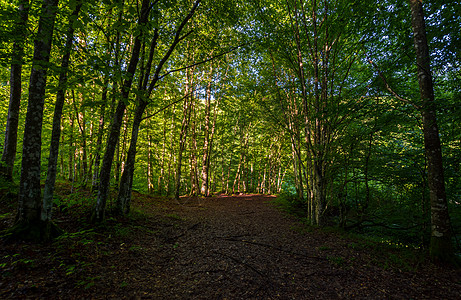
(11, 132)
(114, 133)
(124, 196)
(161, 177)
(29, 200)
(206, 139)
(150, 165)
(126, 181)
(441, 248)
(56, 131)
(97, 159)
(71, 149)
(182, 144)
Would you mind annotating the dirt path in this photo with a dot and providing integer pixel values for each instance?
(238, 247)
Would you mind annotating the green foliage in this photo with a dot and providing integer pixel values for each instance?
(290, 203)
(338, 261)
(78, 204)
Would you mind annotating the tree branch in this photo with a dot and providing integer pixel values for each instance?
(389, 88)
(162, 109)
(201, 62)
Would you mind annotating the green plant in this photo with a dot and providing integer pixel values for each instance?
(337, 260)
(323, 248)
(174, 216)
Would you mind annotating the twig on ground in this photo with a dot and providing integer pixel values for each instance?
(243, 263)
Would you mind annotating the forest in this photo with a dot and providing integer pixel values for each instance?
(347, 111)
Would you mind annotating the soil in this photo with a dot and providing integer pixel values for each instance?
(222, 247)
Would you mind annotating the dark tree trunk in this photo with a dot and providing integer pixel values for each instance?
(182, 145)
(11, 132)
(206, 140)
(97, 159)
(114, 133)
(71, 149)
(29, 201)
(126, 181)
(194, 191)
(441, 248)
(56, 132)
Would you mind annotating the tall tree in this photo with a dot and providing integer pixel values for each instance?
(114, 133)
(11, 132)
(56, 131)
(441, 234)
(28, 222)
(124, 195)
(206, 139)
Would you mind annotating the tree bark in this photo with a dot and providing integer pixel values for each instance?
(71, 149)
(124, 195)
(29, 200)
(114, 133)
(11, 132)
(194, 191)
(206, 139)
(126, 181)
(56, 131)
(97, 159)
(441, 248)
(182, 141)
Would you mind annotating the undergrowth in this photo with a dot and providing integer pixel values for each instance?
(387, 251)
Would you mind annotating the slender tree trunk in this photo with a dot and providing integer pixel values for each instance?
(114, 133)
(123, 202)
(121, 150)
(29, 200)
(210, 149)
(126, 181)
(71, 148)
(82, 122)
(150, 165)
(206, 139)
(172, 154)
(97, 159)
(11, 132)
(161, 177)
(61, 153)
(441, 248)
(56, 131)
(82, 152)
(182, 144)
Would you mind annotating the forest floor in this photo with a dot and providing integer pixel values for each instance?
(222, 247)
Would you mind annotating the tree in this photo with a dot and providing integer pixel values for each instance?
(124, 195)
(28, 223)
(114, 134)
(11, 132)
(56, 133)
(441, 248)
